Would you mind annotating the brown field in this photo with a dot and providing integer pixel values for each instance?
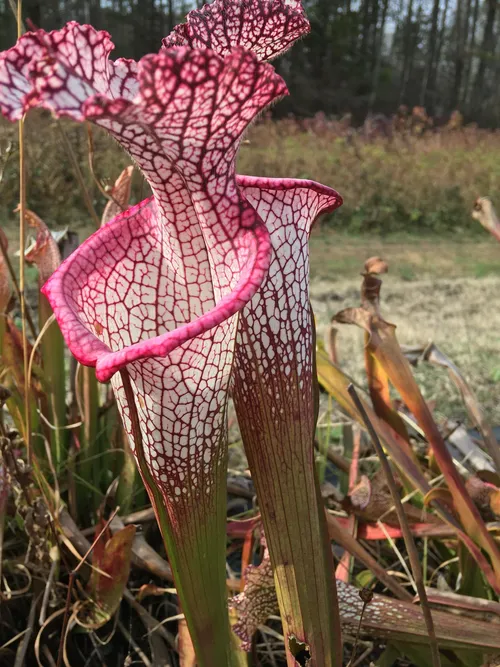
(457, 313)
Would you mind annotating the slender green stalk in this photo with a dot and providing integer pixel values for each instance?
(280, 454)
(195, 544)
(22, 242)
(54, 371)
(89, 467)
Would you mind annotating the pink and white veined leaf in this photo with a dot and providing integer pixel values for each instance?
(273, 390)
(81, 52)
(167, 271)
(153, 292)
(276, 326)
(265, 27)
(183, 127)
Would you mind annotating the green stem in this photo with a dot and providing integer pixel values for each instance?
(193, 531)
(54, 371)
(90, 466)
(300, 551)
(279, 443)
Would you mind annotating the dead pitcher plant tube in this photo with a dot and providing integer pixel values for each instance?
(151, 298)
(275, 397)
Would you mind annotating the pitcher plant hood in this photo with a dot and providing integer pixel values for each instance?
(150, 299)
(265, 27)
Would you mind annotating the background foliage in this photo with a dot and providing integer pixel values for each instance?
(362, 56)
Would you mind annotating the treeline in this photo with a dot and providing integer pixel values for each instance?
(363, 56)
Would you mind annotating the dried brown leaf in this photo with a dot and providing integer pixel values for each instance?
(120, 196)
(44, 252)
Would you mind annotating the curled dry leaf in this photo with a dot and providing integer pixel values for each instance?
(44, 252)
(486, 496)
(330, 342)
(376, 265)
(119, 196)
(371, 500)
(485, 213)
(111, 557)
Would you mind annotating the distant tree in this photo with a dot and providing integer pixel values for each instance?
(361, 56)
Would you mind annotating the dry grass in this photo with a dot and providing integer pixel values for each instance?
(457, 315)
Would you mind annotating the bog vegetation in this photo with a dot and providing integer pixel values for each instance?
(408, 484)
(91, 470)
(397, 175)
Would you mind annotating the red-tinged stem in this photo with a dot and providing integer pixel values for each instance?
(336, 382)
(194, 535)
(280, 453)
(344, 568)
(408, 538)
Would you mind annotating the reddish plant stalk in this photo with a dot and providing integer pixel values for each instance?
(275, 394)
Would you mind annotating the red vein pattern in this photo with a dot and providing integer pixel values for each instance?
(274, 341)
(275, 330)
(161, 275)
(265, 27)
(156, 289)
(204, 240)
(274, 399)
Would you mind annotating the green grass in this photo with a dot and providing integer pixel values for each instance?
(337, 256)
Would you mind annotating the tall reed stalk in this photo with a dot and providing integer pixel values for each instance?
(22, 244)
